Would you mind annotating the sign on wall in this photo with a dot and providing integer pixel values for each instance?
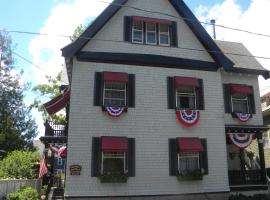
(75, 169)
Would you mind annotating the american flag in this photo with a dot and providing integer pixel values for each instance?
(43, 169)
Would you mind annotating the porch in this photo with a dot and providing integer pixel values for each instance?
(245, 155)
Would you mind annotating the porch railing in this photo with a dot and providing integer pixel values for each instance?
(249, 177)
(55, 129)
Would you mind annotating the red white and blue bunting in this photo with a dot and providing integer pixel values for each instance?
(243, 117)
(241, 140)
(115, 111)
(188, 117)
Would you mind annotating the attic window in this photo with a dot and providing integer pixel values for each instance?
(150, 31)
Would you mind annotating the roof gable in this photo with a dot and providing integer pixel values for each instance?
(181, 8)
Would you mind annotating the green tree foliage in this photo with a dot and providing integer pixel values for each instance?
(25, 193)
(48, 91)
(77, 32)
(20, 164)
(17, 128)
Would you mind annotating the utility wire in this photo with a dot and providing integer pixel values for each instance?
(118, 41)
(33, 64)
(185, 19)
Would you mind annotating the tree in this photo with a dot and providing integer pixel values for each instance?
(17, 128)
(48, 91)
(77, 32)
(20, 164)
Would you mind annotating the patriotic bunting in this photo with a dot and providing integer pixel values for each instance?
(242, 117)
(43, 169)
(188, 117)
(115, 111)
(60, 152)
(241, 140)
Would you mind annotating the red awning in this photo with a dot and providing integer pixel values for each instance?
(186, 81)
(242, 89)
(152, 20)
(58, 103)
(114, 144)
(189, 145)
(115, 77)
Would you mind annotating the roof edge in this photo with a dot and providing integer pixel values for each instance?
(71, 49)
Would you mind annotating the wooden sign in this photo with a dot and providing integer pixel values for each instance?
(75, 169)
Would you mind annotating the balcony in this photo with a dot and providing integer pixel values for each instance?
(55, 132)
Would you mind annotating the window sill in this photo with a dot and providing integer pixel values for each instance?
(190, 176)
(113, 178)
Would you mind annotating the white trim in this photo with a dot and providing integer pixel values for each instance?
(155, 32)
(163, 33)
(116, 90)
(142, 31)
(178, 94)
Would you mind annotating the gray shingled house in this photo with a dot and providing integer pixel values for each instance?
(160, 110)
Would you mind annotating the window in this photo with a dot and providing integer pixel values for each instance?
(113, 163)
(164, 35)
(240, 103)
(188, 162)
(114, 89)
(185, 93)
(113, 156)
(186, 97)
(137, 31)
(238, 98)
(187, 155)
(59, 161)
(114, 94)
(151, 33)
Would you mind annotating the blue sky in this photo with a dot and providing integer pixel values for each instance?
(50, 16)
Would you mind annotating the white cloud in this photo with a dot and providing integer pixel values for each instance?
(254, 19)
(63, 19)
(46, 50)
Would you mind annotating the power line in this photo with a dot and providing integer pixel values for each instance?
(33, 64)
(120, 41)
(186, 19)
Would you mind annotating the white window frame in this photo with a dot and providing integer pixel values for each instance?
(134, 29)
(113, 155)
(187, 155)
(177, 94)
(240, 99)
(146, 31)
(163, 33)
(104, 89)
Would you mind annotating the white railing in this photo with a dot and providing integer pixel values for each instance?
(7, 186)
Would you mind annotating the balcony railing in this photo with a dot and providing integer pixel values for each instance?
(250, 177)
(55, 129)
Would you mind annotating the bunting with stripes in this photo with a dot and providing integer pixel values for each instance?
(241, 140)
(188, 117)
(115, 111)
(243, 117)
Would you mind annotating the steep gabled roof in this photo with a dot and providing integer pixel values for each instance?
(183, 11)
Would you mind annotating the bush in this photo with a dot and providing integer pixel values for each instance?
(25, 193)
(19, 165)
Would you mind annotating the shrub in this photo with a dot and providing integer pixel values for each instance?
(25, 193)
(20, 164)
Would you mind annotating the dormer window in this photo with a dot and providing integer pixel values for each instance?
(150, 31)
